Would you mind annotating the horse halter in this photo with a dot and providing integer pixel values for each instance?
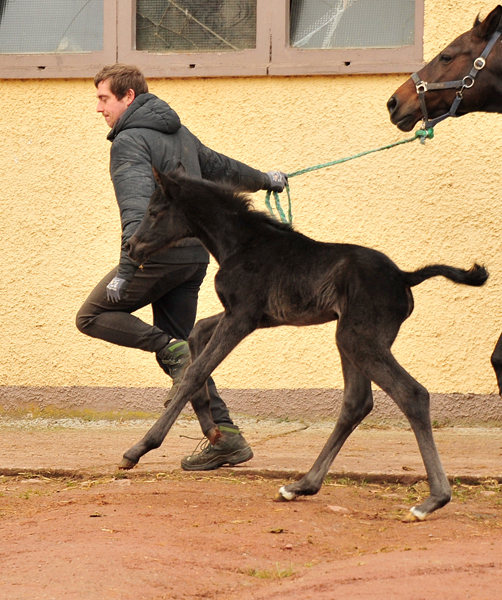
(460, 84)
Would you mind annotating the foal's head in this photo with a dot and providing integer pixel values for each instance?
(453, 64)
(183, 206)
(164, 222)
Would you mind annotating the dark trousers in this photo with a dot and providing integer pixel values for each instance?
(172, 290)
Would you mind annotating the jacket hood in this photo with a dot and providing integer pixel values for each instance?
(147, 112)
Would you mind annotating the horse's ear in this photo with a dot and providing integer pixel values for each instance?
(180, 169)
(156, 174)
(486, 28)
(161, 178)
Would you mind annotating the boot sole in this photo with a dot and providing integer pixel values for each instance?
(233, 459)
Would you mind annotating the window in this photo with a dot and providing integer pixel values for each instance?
(51, 26)
(349, 36)
(187, 38)
(195, 25)
(351, 23)
(56, 38)
(190, 38)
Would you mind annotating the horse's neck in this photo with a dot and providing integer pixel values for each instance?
(220, 234)
(495, 103)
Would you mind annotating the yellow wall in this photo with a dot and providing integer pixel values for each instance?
(440, 202)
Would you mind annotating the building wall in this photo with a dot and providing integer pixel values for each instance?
(420, 204)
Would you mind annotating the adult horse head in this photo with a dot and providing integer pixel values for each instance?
(464, 77)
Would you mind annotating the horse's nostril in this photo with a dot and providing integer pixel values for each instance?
(391, 104)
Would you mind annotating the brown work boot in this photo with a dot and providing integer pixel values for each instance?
(230, 449)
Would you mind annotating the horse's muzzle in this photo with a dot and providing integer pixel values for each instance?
(404, 120)
(135, 250)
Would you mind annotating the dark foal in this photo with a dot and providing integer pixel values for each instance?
(465, 77)
(271, 275)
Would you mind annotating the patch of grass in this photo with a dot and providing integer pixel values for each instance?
(29, 493)
(277, 573)
(417, 492)
(85, 414)
(461, 491)
(437, 424)
(341, 481)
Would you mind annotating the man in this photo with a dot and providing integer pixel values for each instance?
(146, 132)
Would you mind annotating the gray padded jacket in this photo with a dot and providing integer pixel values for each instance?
(149, 133)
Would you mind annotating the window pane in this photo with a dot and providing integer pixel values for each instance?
(195, 25)
(50, 26)
(352, 23)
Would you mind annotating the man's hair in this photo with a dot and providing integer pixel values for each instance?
(122, 78)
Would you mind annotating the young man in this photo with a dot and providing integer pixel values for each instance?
(146, 132)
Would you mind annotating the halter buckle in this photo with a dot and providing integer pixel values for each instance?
(421, 87)
(479, 63)
(467, 82)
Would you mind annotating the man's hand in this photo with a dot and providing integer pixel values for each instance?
(278, 181)
(116, 289)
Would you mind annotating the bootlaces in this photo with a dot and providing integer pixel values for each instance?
(203, 447)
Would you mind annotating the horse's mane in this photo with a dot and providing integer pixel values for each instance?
(234, 199)
(245, 203)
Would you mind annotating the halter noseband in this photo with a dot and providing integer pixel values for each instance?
(460, 84)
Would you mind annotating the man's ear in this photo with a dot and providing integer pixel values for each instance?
(130, 95)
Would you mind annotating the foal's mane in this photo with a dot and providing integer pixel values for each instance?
(235, 200)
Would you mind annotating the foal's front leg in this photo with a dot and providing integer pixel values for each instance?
(228, 333)
(200, 336)
(155, 436)
(496, 360)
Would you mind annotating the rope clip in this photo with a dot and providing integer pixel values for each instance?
(424, 134)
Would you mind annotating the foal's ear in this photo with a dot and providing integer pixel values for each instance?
(486, 28)
(161, 178)
(157, 175)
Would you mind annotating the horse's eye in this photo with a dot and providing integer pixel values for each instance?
(445, 59)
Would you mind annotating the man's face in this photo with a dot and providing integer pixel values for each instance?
(109, 105)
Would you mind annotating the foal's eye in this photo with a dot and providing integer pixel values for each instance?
(445, 59)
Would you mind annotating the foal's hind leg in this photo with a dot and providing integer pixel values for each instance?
(198, 340)
(357, 404)
(413, 399)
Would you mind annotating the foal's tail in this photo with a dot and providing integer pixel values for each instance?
(476, 275)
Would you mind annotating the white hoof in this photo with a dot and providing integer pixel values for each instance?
(283, 493)
(415, 515)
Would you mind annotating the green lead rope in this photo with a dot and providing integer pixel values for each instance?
(421, 134)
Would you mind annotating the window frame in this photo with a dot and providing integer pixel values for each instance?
(251, 62)
(286, 60)
(272, 56)
(66, 64)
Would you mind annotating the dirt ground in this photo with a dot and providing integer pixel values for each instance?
(221, 536)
